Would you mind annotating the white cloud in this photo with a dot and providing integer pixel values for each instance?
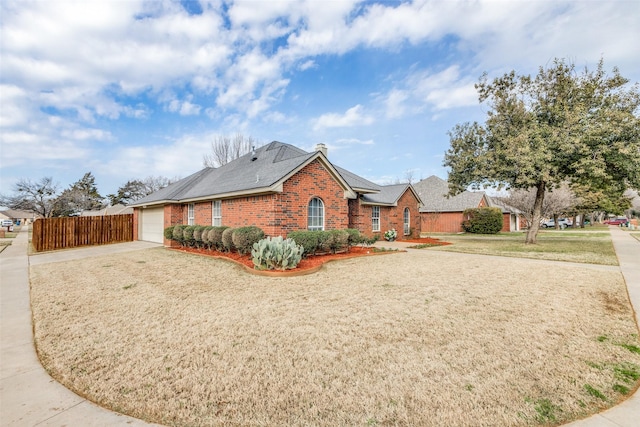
(352, 117)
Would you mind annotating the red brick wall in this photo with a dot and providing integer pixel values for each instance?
(506, 222)
(174, 214)
(312, 181)
(441, 222)
(277, 214)
(390, 217)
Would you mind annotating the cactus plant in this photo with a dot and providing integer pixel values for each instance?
(276, 254)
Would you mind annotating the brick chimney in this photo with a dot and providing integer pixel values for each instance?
(323, 149)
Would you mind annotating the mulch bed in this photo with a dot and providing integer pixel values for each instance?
(310, 264)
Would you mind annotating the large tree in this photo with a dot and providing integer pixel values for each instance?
(81, 195)
(226, 148)
(34, 196)
(559, 126)
(136, 189)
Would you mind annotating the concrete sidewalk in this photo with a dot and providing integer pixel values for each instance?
(627, 414)
(30, 397)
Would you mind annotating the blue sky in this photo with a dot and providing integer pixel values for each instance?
(128, 89)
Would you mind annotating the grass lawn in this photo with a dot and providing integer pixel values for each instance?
(422, 338)
(591, 247)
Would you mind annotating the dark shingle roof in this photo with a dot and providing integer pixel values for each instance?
(249, 173)
(388, 195)
(433, 192)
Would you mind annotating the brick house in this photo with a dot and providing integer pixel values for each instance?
(279, 188)
(442, 214)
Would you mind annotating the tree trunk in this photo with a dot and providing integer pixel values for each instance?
(555, 221)
(532, 234)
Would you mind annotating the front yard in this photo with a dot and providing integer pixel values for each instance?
(417, 338)
(583, 246)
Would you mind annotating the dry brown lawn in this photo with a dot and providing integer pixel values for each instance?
(418, 338)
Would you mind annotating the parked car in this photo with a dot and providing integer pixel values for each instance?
(7, 223)
(617, 221)
(562, 223)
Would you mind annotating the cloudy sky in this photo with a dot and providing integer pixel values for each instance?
(127, 89)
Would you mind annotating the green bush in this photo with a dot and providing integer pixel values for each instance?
(187, 235)
(227, 239)
(307, 239)
(168, 233)
(482, 220)
(355, 237)
(205, 236)
(215, 237)
(197, 235)
(244, 237)
(276, 254)
(178, 233)
(338, 240)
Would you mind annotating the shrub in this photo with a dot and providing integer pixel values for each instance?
(307, 239)
(355, 237)
(168, 233)
(482, 220)
(276, 254)
(178, 233)
(244, 237)
(215, 237)
(227, 239)
(337, 240)
(187, 235)
(197, 235)
(205, 236)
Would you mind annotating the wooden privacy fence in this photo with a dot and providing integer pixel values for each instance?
(59, 233)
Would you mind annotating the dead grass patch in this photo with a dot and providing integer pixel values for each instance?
(419, 338)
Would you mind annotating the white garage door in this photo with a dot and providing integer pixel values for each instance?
(151, 227)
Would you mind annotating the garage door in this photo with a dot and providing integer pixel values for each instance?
(151, 227)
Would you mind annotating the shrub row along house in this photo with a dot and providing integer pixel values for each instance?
(280, 188)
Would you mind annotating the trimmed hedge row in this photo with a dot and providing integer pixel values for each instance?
(242, 239)
(333, 241)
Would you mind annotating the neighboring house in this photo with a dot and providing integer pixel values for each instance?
(441, 213)
(279, 188)
(17, 216)
(109, 210)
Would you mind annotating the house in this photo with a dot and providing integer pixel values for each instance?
(118, 209)
(279, 188)
(18, 217)
(441, 213)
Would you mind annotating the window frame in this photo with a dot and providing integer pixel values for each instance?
(191, 214)
(406, 217)
(314, 213)
(375, 218)
(216, 213)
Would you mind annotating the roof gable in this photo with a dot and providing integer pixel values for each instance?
(434, 194)
(389, 195)
(261, 171)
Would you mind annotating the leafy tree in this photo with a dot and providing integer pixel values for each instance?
(39, 196)
(81, 195)
(556, 127)
(225, 149)
(136, 189)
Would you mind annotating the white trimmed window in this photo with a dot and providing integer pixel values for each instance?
(375, 218)
(407, 222)
(315, 214)
(191, 214)
(217, 213)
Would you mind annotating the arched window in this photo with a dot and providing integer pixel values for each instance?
(315, 216)
(407, 222)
